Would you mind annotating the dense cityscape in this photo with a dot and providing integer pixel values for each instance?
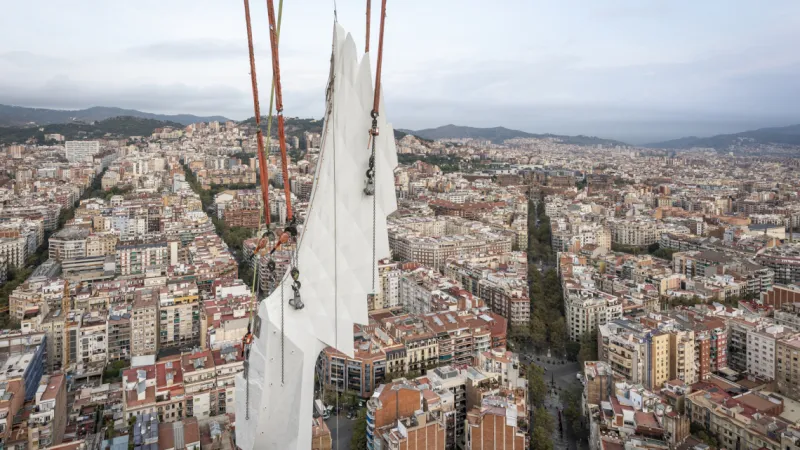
(541, 294)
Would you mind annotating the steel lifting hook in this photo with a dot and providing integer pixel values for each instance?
(296, 301)
(369, 188)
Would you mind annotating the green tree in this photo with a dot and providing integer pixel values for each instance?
(538, 333)
(543, 419)
(558, 335)
(573, 417)
(551, 287)
(350, 399)
(573, 349)
(113, 371)
(588, 350)
(519, 337)
(541, 439)
(330, 396)
(537, 388)
(359, 439)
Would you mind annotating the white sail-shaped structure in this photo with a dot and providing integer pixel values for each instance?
(274, 398)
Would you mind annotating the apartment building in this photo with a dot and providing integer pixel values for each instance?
(417, 289)
(472, 210)
(89, 348)
(199, 382)
(101, 244)
(499, 280)
(761, 350)
(787, 367)
(780, 295)
(11, 404)
(359, 374)
(682, 356)
(320, 435)
(194, 384)
(68, 243)
(145, 320)
(461, 337)
(451, 386)
(711, 347)
(788, 316)
(53, 326)
(388, 296)
(14, 251)
(419, 431)
(78, 151)
(784, 261)
(738, 329)
(140, 386)
(497, 424)
(431, 242)
(567, 235)
(658, 360)
(599, 382)
(141, 258)
(699, 263)
(224, 321)
(119, 336)
(246, 218)
(648, 356)
(37, 294)
(396, 420)
(48, 419)
(22, 356)
(750, 420)
(179, 315)
(586, 309)
(421, 344)
(636, 233)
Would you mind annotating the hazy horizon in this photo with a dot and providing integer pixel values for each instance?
(620, 70)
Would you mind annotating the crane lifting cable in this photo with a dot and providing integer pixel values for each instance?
(264, 241)
(290, 230)
(369, 188)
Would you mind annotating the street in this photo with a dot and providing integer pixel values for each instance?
(341, 431)
(563, 376)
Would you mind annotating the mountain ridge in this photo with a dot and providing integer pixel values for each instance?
(787, 135)
(24, 116)
(114, 127)
(498, 134)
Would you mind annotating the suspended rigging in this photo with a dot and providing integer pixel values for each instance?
(269, 243)
(369, 188)
(291, 230)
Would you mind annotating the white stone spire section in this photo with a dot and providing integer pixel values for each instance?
(335, 262)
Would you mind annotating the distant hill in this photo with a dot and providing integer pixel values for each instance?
(499, 134)
(21, 116)
(115, 127)
(296, 126)
(780, 135)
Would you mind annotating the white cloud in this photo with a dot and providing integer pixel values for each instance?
(616, 70)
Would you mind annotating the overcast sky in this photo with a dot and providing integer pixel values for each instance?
(637, 70)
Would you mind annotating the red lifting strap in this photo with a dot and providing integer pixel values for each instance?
(262, 162)
(276, 77)
(369, 12)
(377, 100)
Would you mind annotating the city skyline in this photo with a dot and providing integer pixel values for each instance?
(635, 73)
(170, 280)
